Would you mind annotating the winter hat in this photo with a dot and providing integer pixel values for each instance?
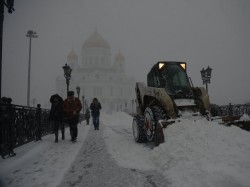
(71, 93)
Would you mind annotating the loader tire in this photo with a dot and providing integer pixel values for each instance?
(138, 130)
(152, 115)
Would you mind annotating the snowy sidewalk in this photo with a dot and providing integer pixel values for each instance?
(195, 154)
(42, 163)
(95, 167)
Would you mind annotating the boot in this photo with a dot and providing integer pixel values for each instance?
(56, 137)
(63, 131)
(11, 154)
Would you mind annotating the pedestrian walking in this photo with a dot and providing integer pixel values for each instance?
(56, 115)
(87, 116)
(38, 117)
(72, 107)
(95, 108)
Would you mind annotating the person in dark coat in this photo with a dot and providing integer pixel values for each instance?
(38, 119)
(56, 115)
(95, 108)
(72, 107)
(87, 116)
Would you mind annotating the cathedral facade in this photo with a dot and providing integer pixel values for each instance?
(100, 76)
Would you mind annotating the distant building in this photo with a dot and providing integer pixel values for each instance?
(97, 76)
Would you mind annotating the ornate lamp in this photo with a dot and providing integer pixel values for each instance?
(206, 76)
(67, 74)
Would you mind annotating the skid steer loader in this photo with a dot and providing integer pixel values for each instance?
(167, 97)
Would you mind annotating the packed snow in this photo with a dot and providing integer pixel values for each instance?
(195, 153)
(41, 163)
(244, 117)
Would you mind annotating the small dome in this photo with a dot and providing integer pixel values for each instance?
(119, 56)
(96, 41)
(72, 55)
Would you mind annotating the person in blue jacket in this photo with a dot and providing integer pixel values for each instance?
(95, 108)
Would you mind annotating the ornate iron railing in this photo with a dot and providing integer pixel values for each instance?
(231, 115)
(20, 125)
(233, 110)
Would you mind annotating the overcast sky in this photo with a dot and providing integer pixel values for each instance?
(202, 33)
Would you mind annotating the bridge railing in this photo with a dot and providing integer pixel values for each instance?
(20, 125)
(234, 110)
(231, 115)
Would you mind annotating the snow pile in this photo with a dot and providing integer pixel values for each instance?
(244, 117)
(212, 153)
(195, 153)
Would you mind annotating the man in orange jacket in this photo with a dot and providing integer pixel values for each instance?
(72, 107)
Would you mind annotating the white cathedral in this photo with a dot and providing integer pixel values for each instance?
(97, 76)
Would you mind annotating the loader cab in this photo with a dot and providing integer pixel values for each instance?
(173, 77)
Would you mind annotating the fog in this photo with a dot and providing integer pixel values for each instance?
(202, 33)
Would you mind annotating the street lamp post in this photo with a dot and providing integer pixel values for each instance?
(9, 4)
(78, 91)
(206, 76)
(67, 74)
(30, 34)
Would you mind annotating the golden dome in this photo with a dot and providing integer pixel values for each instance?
(96, 41)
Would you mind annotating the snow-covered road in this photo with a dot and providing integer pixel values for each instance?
(195, 154)
(84, 163)
(94, 166)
